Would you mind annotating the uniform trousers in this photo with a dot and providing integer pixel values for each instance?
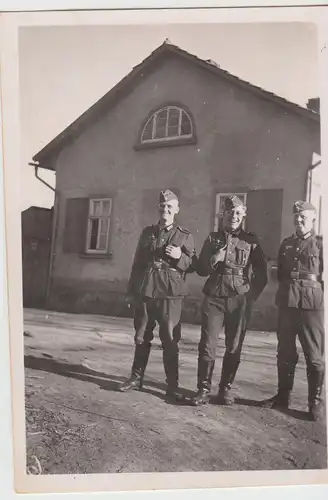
(167, 313)
(228, 314)
(308, 326)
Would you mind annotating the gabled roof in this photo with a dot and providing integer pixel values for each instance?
(137, 74)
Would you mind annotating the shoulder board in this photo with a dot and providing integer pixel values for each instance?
(214, 234)
(287, 244)
(251, 236)
(183, 229)
(148, 229)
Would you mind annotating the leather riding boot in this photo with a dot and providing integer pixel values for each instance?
(202, 398)
(204, 377)
(281, 400)
(171, 368)
(225, 396)
(316, 404)
(135, 381)
(229, 369)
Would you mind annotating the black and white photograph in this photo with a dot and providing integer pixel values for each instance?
(171, 212)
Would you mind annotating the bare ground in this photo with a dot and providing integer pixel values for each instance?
(77, 422)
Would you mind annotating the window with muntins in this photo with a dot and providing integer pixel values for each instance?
(170, 123)
(98, 225)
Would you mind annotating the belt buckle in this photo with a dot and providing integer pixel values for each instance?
(294, 275)
(157, 265)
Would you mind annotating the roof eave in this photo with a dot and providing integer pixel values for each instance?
(53, 147)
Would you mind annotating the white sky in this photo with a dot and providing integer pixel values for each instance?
(64, 70)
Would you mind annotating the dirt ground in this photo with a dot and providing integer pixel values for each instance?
(77, 422)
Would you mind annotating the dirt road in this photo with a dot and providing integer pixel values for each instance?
(77, 422)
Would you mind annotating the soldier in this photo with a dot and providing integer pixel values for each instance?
(300, 304)
(158, 285)
(235, 264)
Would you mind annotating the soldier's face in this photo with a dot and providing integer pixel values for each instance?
(233, 218)
(167, 211)
(304, 221)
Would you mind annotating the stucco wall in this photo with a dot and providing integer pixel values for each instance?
(243, 142)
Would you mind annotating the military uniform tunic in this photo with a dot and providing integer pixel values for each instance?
(300, 268)
(244, 267)
(158, 284)
(300, 300)
(156, 275)
(229, 292)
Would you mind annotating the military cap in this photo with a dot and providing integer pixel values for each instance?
(300, 206)
(167, 195)
(233, 202)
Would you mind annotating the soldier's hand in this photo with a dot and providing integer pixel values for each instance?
(173, 252)
(219, 256)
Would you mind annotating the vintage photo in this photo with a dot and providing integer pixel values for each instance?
(172, 248)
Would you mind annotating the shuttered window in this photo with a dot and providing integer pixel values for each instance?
(87, 225)
(264, 218)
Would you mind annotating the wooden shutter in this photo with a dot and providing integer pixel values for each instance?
(76, 222)
(264, 214)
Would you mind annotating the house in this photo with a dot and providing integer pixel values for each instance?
(180, 122)
(36, 247)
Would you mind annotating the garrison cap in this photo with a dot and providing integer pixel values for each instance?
(300, 206)
(233, 202)
(167, 195)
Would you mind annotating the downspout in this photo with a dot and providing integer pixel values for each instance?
(54, 230)
(36, 168)
(52, 249)
(308, 185)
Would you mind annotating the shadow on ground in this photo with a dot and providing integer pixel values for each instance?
(105, 381)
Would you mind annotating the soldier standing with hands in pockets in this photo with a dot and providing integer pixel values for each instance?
(235, 264)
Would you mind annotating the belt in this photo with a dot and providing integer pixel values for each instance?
(157, 264)
(234, 272)
(300, 275)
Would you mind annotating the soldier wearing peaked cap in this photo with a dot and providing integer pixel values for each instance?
(158, 284)
(235, 264)
(300, 302)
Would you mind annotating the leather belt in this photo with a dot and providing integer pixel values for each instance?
(161, 264)
(300, 275)
(234, 272)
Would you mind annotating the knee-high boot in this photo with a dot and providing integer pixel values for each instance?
(140, 361)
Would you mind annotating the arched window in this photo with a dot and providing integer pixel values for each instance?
(170, 123)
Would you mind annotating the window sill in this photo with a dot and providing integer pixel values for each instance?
(162, 144)
(106, 256)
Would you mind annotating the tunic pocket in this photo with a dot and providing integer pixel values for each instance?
(311, 295)
(242, 253)
(175, 282)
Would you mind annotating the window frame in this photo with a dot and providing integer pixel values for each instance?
(91, 216)
(218, 196)
(166, 141)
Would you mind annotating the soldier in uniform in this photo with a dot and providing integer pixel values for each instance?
(158, 284)
(300, 304)
(236, 266)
